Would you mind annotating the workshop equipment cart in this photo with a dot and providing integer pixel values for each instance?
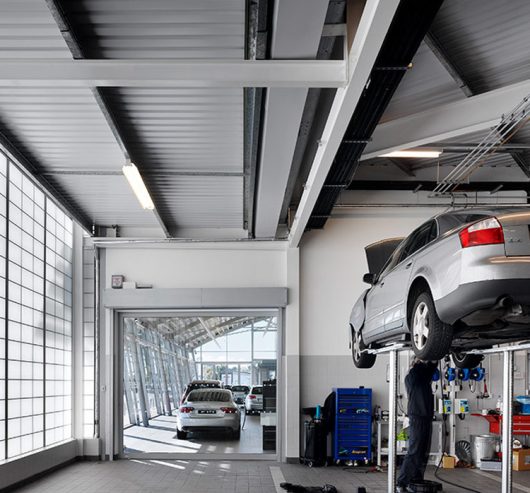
(352, 436)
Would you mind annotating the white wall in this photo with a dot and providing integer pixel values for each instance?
(199, 267)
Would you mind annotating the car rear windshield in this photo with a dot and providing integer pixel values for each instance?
(448, 222)
(209, 396)
(257, 390)
(239, 388)
(203, 385)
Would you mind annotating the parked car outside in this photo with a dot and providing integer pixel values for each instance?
(201, 384)
(254, 400)
(240, 392)
(458, 282)
(209, 409)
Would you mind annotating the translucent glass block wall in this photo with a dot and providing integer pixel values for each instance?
(35, 316)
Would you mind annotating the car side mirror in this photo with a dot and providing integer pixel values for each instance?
(369, 278)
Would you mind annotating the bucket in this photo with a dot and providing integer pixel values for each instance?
(484, 447)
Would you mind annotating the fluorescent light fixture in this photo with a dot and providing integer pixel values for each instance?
(418, 153)
(137, 184)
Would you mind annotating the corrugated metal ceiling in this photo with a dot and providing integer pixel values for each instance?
(486, 42)
(426, 85)
(63, 129)
(195, 131)
(175, 129)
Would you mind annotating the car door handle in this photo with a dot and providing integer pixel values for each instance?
(381, 284)
(408, 265)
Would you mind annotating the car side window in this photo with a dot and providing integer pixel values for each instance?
(423, 235)
(417, 239)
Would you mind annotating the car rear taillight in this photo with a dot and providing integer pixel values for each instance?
(229, 410)
(251, 396)
(485, 232)
(186, 409)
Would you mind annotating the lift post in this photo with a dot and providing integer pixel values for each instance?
(392, 408)
(507, 407)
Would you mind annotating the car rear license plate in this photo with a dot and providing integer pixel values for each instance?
(207, 411)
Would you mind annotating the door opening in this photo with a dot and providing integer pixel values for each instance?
(201, 384)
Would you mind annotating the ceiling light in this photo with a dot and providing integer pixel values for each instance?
(418, 153)
(137, 184)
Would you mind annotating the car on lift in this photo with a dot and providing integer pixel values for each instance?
(254, 400)
(200, 384)
(208, 409)
(458, 282)
(240, 392)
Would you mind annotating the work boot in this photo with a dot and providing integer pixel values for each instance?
(401, 489)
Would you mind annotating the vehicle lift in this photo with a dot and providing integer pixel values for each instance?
(507, 407)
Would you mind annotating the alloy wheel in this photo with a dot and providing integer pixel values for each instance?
(357, 345)
(420, 326)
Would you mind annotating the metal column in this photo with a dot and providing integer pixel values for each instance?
(507, 421)
(392, 419)
(140, 380)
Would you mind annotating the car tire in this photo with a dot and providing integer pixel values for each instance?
(182, 435)
(361, 359)
(431, 338)
(462, 360)
(236, 434)
(247, 412)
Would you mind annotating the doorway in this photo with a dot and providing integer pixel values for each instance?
(201, 383)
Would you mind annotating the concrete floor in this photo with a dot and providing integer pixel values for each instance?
(135, 476)
(161, 437)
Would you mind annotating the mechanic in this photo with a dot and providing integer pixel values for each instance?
(420, 411)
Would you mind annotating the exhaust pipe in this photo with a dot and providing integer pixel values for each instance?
(505, 302)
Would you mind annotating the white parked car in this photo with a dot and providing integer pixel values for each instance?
(240, 392)
(206, 410)
(254, 400)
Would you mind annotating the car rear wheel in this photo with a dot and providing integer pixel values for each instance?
(431, 338)
(182, 435)
(361, 359)
(462, 360)
(236, 434)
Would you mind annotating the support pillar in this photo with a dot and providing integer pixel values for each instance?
(139, 380)
(392, 419)
(507, 421)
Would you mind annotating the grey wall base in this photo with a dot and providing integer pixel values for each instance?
(26, 468)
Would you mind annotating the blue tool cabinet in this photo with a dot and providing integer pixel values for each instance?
(352, 437)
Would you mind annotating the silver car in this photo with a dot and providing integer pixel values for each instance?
(208, 409)
(254, 400)
(460, 281)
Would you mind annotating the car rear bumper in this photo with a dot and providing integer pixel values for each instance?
(226, 423)
(255, 406)
(481, 295)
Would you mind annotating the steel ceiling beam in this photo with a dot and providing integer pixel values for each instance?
(441, 54)
(77, 53)
(173, 73)
(296, 33)
(371, 31)
(423, 185)
(402, 165)
(523, 161)
(167, 173)
(447, 121)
